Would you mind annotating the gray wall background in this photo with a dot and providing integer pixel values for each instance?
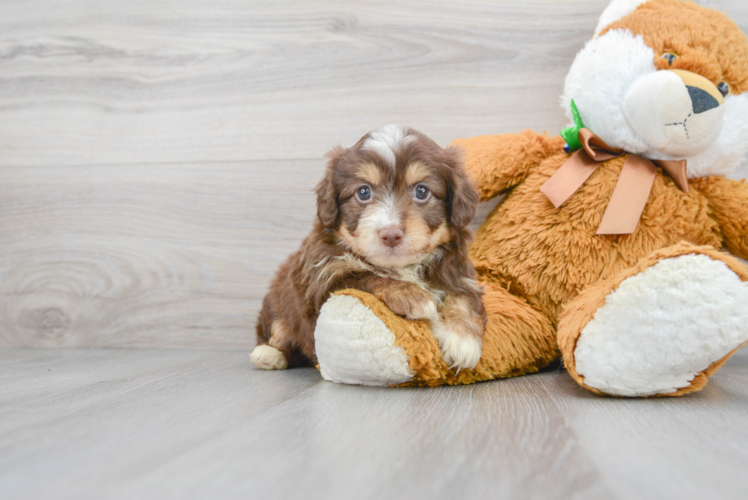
(157, 158)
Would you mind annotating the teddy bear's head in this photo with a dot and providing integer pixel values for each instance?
(666, 79)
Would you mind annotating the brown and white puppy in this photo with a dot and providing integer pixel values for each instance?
(392, 216)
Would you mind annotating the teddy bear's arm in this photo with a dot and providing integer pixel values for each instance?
(499, 162)
(728, 200)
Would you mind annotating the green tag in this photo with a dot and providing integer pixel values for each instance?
(571, 134)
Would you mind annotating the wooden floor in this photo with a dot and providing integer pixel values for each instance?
(202, 424)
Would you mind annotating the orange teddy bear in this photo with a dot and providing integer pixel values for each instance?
(607, 248)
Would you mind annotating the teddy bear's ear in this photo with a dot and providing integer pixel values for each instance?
(616, 10)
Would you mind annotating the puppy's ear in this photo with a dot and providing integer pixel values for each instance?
(327, 196)
(463, 197)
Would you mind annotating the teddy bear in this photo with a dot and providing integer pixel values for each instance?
(609, 247)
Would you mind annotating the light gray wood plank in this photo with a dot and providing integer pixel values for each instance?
(102, 82)
(146, 255)
(691, 447)
(204, 424)
(176, 424)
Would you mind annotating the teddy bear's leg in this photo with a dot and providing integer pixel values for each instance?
(360, 341)
(517, 339)
(660, 328)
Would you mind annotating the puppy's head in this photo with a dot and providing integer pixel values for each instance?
(395, 197)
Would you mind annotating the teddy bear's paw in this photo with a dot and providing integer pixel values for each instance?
(461, 351)
(663, 327)
(266, 357)
(354, 346)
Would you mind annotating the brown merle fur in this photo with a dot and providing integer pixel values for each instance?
(326, 263)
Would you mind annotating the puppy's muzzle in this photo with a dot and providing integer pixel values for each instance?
(678, 113)
(391, 236)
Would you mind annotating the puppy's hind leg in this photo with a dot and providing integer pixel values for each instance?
(267, 357)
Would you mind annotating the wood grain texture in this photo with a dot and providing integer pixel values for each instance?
(142, 255)
(157, 159)
(102, 82)
(203, 424)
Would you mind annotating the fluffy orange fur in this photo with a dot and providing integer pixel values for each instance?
(706, 41)
(548, 255)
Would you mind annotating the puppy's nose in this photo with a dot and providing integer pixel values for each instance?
(391, 236)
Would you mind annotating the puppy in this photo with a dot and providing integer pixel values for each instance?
(392, 216)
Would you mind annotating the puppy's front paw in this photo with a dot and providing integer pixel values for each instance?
(266, 357)
(460, 351)
(411, 302)
(422, 307)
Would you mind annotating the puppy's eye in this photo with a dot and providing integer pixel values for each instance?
(670, 57)
(723, 88)
(421, 192)
(363, 193)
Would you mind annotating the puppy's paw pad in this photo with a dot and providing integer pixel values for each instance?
(460, 351)
(266, 357)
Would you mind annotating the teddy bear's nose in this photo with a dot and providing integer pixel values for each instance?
(704, 94)
(701, 100)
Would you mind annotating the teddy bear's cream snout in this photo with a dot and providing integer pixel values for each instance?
(679, 113)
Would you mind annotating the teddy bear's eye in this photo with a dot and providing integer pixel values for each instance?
(723, 88)
(669, 57)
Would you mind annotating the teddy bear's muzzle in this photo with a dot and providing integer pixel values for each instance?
(678, 113)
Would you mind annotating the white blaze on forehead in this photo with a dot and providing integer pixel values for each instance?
(617, 9)
(387, 141)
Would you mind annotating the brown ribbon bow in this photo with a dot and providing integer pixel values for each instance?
(632, 189)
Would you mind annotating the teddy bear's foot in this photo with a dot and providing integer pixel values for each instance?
(354, 346)
(359, 340)
(660, 329)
